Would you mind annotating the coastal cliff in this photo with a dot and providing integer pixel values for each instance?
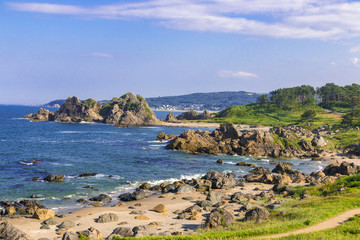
(128, 110)
(277, 142)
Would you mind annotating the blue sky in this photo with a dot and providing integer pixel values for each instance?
(101, 49)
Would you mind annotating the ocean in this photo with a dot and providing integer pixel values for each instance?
(123, 158)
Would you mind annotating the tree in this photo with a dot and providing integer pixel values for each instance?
(307, 115)
(263, 101)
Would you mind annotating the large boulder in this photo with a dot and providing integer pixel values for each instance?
(319, 141)
(101, 198)
(9, 232)
(54, 178)
(257, 214)
(220, 180)
(44, 214)
(70, 236)
(283, 168)
(107, 217)
(215, 198)
(137, 195)
(219, 217)
(91, 233)
(344, 168)
(171, 118)
(121, 232)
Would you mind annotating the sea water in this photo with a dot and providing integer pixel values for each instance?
(122, 159)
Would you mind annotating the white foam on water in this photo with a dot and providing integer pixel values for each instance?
(157, 145)
(3, 140)
(26, 163)
(265, 160)
(231, 163)
(20, 119)
(157, 141)
(70, 132)
(84, 122)
(62, 164)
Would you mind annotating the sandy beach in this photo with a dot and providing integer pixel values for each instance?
(161, 222)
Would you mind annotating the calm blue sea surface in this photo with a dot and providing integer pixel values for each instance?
(122, 157)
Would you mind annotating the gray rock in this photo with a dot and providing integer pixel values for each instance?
(220, 180)
(319, 141)
(54, 178)
(137, 195)
(50, 221)
(70, 236)
(45, 226)
(121, 232)
(8, 232)
(185, 188)
(257, 214)
(215, 197)
(219, 217)
(66, 224)
(101, 198)
(107, 217)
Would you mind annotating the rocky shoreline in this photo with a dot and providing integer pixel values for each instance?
(216, 199)
(285, 142)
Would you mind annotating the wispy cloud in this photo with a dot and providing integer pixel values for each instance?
(238, 74)
(355, 61)
(310, 19)
(355, 49)
(98, 54)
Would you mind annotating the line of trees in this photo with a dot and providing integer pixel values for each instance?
(330, 96)
(290, 98)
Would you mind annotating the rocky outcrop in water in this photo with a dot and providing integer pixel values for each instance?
(278, 142)
(128, 110)
(189, 115)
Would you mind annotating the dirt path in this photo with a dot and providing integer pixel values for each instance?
(330, 223)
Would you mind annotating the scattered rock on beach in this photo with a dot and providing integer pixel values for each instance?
(44, 214)
(66, 224)
(91, 233)
(257, 214)
(161, 208)
(137, 195)
(9, 232)
(220, 180)
(219, 217)
(121, 232)
(107, 217)
(70, 236)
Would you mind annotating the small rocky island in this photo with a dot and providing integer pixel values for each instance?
(228, 139)
(128, 110)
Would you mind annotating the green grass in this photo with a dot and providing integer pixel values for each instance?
(348, 230)
(253, 114)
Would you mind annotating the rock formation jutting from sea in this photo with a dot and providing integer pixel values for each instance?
(128, 110)
(277, 142)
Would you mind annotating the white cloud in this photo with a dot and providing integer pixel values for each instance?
(238, 74)
(98, 54)
(355, 49)
(311, 19)
(355, 61)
